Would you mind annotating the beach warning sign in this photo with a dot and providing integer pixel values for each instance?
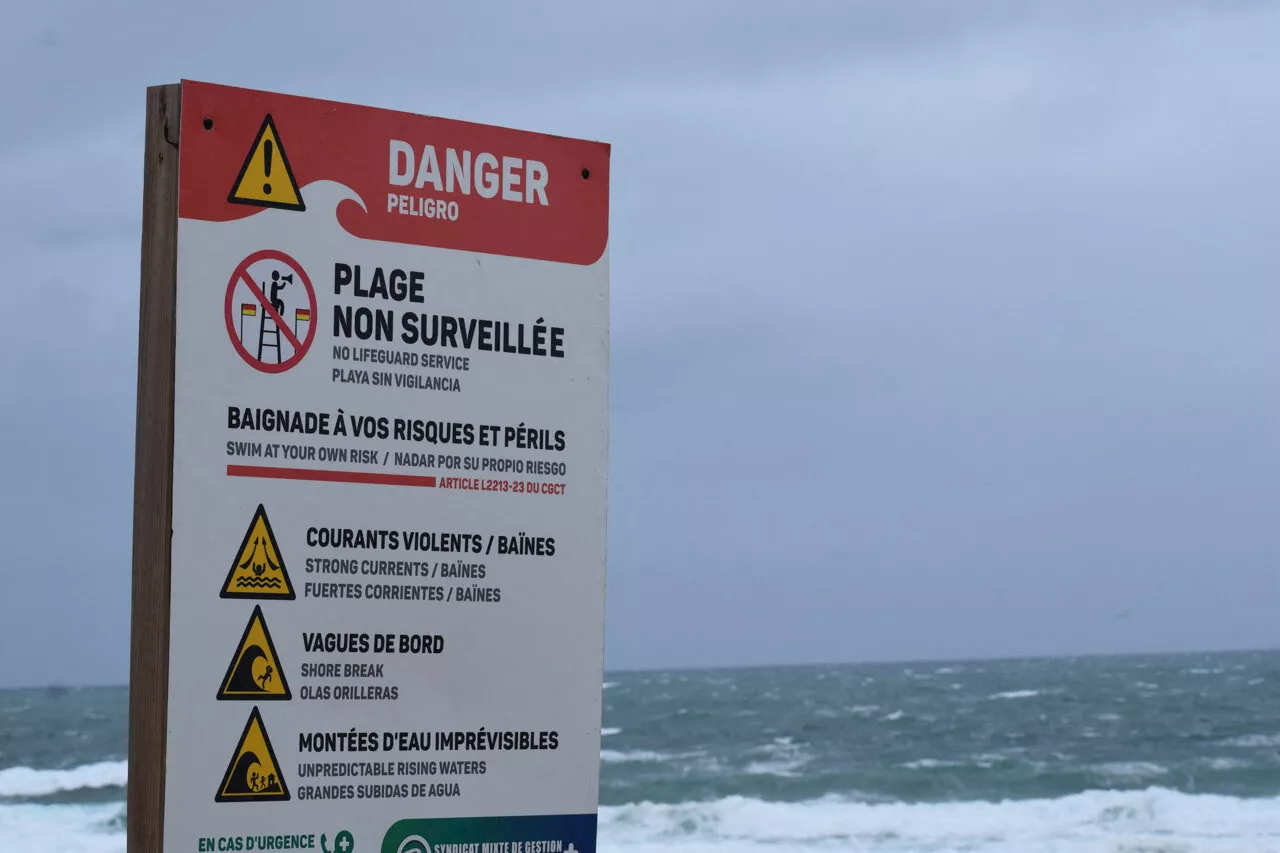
(372, 479)
(258, 570)
(253, 773)
(255, 671)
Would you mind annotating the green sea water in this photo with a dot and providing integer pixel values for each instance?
(1175, 753)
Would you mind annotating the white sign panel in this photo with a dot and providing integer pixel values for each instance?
(389, 482)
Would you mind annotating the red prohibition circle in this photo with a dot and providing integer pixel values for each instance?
(241, 273)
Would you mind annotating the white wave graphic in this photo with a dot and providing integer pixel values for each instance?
(1015, 694)
(26, 782)
(327, 195)
(606, 732)
(269, 225)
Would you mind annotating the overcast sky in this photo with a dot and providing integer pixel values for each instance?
(939, 329)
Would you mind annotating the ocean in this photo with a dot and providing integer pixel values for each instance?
(1172, 754)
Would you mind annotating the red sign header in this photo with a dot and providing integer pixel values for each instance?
(422, 180)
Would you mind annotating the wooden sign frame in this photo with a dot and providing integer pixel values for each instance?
(153, 473)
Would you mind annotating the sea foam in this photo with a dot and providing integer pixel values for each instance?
(1093, 822)
(16, 782)
(1154, 819)
(62, 829)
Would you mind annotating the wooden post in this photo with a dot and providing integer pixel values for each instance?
(153, 474)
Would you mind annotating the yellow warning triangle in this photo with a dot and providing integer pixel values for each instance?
(255, 671)
(258, 571)
(253, 774)
(266, 178)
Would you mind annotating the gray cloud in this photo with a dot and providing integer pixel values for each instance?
(939, 329)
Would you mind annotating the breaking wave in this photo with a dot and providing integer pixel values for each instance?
(21, 782)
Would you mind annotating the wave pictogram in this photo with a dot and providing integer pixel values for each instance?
(259, 583)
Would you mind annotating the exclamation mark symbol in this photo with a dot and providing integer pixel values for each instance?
(266, 165)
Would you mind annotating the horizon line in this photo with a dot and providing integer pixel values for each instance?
(905, 661)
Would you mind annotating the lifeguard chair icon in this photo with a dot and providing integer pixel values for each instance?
(268, 326)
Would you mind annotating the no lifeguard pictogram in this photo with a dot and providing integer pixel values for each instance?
(271, 309)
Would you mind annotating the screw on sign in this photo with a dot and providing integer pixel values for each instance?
(271, 311)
